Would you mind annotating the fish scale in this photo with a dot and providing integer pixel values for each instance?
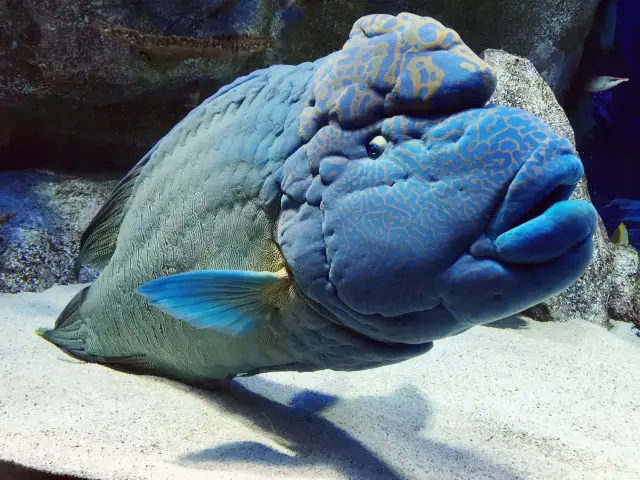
(326, 216)
(253, 229)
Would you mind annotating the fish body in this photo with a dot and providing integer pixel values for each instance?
(602, 83)
(620, 235)
(339, 214)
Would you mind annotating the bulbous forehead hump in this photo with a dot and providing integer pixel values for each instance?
(395, 65)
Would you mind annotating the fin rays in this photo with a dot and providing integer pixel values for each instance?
(229, 301)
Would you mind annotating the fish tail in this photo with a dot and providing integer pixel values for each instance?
(67, 333)
(69, 336)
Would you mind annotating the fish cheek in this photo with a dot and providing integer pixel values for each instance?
(382, 249)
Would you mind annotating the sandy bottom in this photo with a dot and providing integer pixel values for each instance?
(543, 401)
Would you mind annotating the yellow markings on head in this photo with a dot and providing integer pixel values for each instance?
(391, 61)
(471, 58)
(415, 67)
(338, 162)
(469, 66)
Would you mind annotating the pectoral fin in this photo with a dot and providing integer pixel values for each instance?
(229, 301)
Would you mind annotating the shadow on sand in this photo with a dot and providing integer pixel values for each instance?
(13, 471)
(514, 322)
(391, 423)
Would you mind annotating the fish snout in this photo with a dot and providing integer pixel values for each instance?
(537, 244)
(537, 222)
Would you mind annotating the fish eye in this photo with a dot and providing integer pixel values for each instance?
(376, 146)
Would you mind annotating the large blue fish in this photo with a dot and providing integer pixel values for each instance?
(341, 214)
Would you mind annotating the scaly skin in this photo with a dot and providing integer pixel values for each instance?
(386, 254)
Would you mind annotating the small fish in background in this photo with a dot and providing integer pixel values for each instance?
(608, 33)
(620, 235)
(604, 82)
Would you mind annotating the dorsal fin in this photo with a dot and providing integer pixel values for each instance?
(98, 241)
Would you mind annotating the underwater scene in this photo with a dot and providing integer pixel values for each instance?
(319, 239)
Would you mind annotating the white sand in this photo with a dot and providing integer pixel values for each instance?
(558, 401)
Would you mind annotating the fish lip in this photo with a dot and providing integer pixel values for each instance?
(550, 235)
(534, 188)
(481, 301)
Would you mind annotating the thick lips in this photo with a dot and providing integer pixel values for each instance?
(543, 238)
(536, 187)
(536, 222)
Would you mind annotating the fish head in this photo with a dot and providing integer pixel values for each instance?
(414, 210)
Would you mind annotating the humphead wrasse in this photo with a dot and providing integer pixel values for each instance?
(339, 214)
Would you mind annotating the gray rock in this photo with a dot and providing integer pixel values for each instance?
(610, 289)
(42, 216)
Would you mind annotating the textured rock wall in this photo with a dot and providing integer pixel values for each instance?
(93, 101)
(42, 216)
(96, 102)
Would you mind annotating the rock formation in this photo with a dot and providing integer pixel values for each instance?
(95, 99)
(42, 215)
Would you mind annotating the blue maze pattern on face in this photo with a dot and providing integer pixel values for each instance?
(382, 240)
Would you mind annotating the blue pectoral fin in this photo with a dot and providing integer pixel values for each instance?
(229, 301)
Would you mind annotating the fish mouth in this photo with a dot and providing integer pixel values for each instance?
(537, 222)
